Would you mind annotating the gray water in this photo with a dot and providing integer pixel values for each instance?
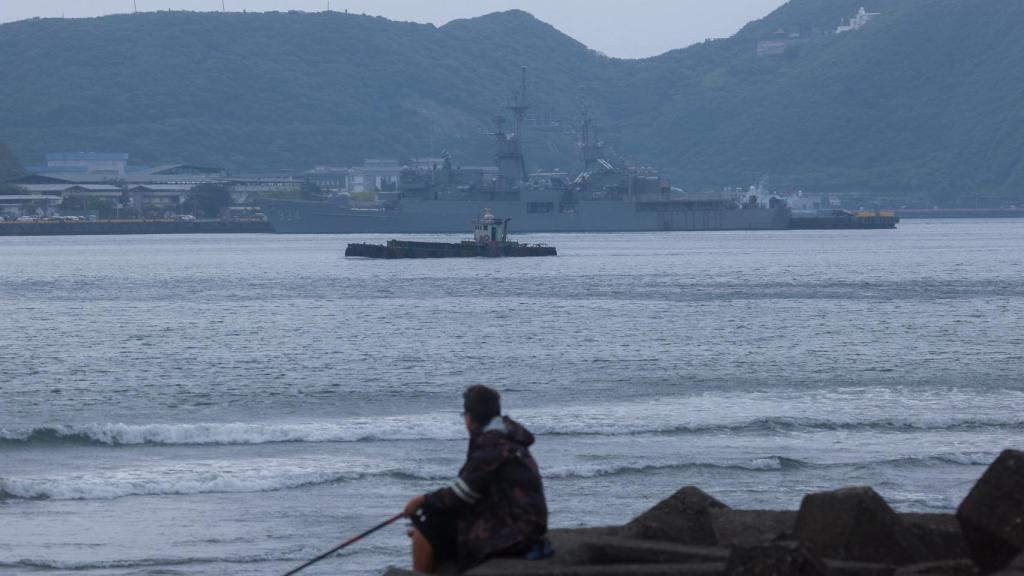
(236, 404)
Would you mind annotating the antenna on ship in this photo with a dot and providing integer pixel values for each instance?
(586, 146)
(519, 106)
(511, 165)
(135, 5)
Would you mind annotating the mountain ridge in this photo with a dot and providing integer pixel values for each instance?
(919, 104)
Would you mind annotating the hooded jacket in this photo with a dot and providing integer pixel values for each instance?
(498, 497)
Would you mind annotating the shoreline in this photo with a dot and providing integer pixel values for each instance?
(117, 227)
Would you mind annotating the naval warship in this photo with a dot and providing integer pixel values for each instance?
(605, 196)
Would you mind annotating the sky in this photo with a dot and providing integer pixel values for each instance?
(620, 28)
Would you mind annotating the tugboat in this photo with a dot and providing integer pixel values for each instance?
(490, 239)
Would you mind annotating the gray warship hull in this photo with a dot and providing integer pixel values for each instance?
(444, 216)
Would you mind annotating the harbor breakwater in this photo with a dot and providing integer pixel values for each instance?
(846, 532)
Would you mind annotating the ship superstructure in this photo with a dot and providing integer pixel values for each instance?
(605, 196)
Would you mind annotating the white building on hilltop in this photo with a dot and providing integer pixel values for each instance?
(858, 21)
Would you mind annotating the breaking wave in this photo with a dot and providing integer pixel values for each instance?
(388, 429)
(37, 564)
(119, 434)
(195, 478)
(228, 477)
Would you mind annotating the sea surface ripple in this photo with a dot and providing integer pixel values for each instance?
(236, 404)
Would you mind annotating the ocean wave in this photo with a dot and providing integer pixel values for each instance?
(47, 564)
(201, 478)
(228, 478)
(961, 458)
(854, 409)
(230, 433)
(394, 429)
(276, 475)
(766, 464)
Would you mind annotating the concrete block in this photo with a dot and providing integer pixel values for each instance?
(611, 550)
(751, 527)
(776, 559)
(683, 518)
(992, 514)
(854, 524)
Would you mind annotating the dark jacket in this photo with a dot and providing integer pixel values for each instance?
(498, 496)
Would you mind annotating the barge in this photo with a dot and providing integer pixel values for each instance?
(845, 220)
(490, 240)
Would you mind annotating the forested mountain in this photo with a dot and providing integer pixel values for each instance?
(923, 102)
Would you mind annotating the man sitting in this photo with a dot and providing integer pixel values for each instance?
(495, 507)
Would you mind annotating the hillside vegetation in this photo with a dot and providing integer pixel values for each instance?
(923, 103)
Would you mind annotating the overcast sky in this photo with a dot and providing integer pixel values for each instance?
(623, 28)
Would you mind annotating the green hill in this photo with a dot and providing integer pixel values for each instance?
(923, 100)
(921, 103)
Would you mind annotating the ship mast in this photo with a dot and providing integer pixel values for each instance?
(588, 150)
(519, 107)
(511, 164)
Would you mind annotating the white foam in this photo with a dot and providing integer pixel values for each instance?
(968, 458)
(282, 474)
(770, 463)
(598, 469)
(198, 478)
(880, 408)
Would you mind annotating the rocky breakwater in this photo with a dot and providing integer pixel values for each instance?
(846, 532)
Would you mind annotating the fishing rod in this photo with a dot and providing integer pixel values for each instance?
(346, 543)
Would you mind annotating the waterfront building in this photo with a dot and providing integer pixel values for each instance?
(375, 175)
(15, 206)
(332, 179)
(109, 164)
(107, 180)
(245, 187)
(861, 19)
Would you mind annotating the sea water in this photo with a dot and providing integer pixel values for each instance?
(238, 404)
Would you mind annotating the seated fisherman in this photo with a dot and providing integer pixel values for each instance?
(495, 507)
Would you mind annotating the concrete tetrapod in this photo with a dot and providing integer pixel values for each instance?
(992, 514)
(683, 518)
(854, 524)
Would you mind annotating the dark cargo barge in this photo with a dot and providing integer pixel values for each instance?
(468, 249)
(490, 240)
(43, 228)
